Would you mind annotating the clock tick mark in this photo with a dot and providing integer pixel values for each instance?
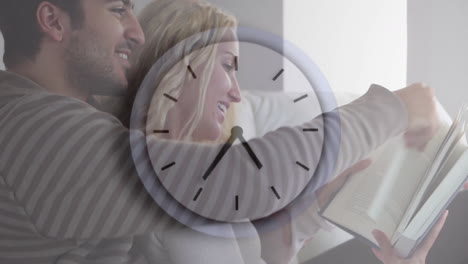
(275, 192)
(310, 129)
(302, 166)
(236, 63)
(192, 72)
(170, 97)
(198, 194)
(237, 202)
(161, 131)
(168, 166)
(300, 98)
(278, 75)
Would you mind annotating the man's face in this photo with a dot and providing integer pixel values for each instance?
(97, 54)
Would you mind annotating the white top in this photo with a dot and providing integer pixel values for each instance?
(69, 191)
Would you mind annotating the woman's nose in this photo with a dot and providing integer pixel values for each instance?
(234, 92)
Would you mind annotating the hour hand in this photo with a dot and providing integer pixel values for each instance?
(220, 155)
(248, 148)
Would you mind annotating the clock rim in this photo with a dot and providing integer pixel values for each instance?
(180, 212)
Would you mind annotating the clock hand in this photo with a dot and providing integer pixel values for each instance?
(247, 147)
(236, 132)
(220, 155)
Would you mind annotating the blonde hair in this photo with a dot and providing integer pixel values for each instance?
(193, 29)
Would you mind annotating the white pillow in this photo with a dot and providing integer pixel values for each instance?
(261, 112)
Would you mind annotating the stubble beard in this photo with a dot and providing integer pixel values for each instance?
(89, 67)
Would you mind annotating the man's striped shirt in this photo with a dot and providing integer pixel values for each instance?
(70, 191)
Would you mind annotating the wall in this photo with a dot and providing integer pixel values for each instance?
(438, 55)
(438, 48)
(356, 43)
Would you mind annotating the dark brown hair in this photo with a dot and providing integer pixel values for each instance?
(20, 29)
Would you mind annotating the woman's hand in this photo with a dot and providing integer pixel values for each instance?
(388, 255)
(423, 122)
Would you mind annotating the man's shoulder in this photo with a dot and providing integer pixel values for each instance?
(15, 84)
(21, 96)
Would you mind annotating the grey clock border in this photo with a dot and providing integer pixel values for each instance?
(182, 214)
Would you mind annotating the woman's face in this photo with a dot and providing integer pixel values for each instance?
(222, 91)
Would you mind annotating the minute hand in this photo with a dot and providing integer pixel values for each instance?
(249, 150)
(220, 155)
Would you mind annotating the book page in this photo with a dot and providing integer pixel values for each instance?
(434, 174)
(449, 162)
(378, 197)
(439, 199)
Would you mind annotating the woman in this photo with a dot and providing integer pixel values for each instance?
(207, 91)
(212, 58)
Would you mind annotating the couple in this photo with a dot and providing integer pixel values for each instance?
(69, 187)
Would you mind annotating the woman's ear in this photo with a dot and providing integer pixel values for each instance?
(52, 21)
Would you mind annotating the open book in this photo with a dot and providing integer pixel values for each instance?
(404, 191)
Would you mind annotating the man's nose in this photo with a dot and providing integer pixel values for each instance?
(133, 31)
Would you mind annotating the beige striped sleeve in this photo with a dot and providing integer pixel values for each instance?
(70, 167)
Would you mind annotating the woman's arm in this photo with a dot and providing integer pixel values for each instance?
(71, 170)
(345, 136)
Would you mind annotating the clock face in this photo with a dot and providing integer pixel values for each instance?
(216, 149)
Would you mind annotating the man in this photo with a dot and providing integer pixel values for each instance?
(62, 46)
(69, 192)
(87, 44)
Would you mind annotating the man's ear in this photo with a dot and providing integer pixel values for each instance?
(52, 21)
